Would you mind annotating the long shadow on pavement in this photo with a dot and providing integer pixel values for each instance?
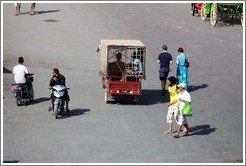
(148, 97)
(196, 87)
(40, 12)
(6, 71)
(75, 112)
(47, 11)
(11, 161)
(40, 100)
(202, 130)
(153, 96)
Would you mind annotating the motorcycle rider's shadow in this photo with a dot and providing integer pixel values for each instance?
(75, 112)
(40, 100)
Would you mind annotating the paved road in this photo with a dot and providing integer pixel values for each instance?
(67, 36)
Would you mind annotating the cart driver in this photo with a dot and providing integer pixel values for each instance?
(117, 68)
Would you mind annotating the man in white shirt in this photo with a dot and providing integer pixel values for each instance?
(20, 71)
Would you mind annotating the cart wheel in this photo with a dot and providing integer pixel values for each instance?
(242, 20)
(32, 95)
(135, 99)
(203, 12)
(193, 10)
(107, 96)
(18, 101)
(214, 14)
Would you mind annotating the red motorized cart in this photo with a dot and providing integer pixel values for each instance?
(122, 68)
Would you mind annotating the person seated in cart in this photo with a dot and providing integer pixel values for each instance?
(137, 64)
(116, 69)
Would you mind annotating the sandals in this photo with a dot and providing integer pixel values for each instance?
(175, 136)
(187, 134)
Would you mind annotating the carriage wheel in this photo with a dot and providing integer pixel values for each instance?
(135, 99)
(242, 20)
(203, 12)
(214, 14)
(107, 96)
(193, 10)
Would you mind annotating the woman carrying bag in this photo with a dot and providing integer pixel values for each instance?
(183, 97)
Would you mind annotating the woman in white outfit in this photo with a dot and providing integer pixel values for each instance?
(183, 96)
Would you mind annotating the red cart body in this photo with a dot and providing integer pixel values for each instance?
(122, 68)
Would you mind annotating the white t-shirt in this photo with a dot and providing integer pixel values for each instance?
(185, 96)
(19, 72)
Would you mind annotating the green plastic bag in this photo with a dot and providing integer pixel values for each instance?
(187, 110)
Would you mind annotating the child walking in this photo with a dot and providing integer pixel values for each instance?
(173, 104)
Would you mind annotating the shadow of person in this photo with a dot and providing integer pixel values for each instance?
(47, 11)
(40, 12)
(40, 100)
(153, 96)
(6, 71)
(75, 112)
(11, 161)
(196, 87)
(202, 130)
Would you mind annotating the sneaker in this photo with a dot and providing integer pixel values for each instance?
(67, 110)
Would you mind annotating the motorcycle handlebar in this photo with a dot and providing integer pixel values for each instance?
(51, 87)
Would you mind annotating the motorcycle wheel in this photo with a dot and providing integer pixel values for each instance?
(32, 95)
(56, 111)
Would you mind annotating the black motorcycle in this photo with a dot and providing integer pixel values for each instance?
(24, 93)
(59, 94)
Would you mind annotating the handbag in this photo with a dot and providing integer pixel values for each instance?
(186, 110)
(186, 63)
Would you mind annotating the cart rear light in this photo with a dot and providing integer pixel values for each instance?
(114, 91)
(136, 93)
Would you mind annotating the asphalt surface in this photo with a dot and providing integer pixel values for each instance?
(67, 36)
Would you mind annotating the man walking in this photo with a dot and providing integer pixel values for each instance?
(164, 59)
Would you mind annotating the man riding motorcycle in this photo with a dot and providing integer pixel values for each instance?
(58, 79)
(21, 75)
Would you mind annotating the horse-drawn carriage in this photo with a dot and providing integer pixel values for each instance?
(218, 11)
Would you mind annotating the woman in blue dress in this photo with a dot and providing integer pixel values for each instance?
(182, 71)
